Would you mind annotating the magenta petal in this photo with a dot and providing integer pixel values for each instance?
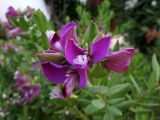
(72, 50)
(70, 83)
(68, 31)
(131, 50)
(55, 73)
(83, 78)
(99, 49)
(118, 61)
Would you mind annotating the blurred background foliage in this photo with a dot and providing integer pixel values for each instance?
(133, 95)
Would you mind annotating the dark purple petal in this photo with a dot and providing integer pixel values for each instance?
(68, 31)
(99, 49)
(55, 73)
(72, 50)
(70, 83)
(83, 78)
(119, 61)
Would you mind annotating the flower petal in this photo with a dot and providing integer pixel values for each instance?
(99, 49)
(55, 73)
(68, 31)
(131, 50)
(11, 12)
(53, 39)
(72, 50)
(119, 61)
(56, 93)
(83, 78)
(70, 83)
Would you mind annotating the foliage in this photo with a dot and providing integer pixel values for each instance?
(133, 95)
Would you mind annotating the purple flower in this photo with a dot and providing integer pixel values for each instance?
(9, 25)
(28, 94)
(15, 32)
(25, 87)
(11, 12)
(78, 60)
(66, 63)
(5, 48)
(69, 84)
(57, 42)
(28, 12)
(119, 61)
(81, 60)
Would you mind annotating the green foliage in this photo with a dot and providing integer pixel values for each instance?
(40, 21)
(91, 33)
(133, 95)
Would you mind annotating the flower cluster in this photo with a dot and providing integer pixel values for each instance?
(6, 47)
(26, 88)
(12, 13)
(67, 63)
(15, 14)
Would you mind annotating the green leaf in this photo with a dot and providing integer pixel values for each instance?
(91, 32)
(98, 103)
(141, 116)
(40, 20)
(117, 89)
(23, 23)
(126, 104)
(135, 85)
(156, 72)
(98, 90)
(115, 110)
(117, 46)
(44, 41)
(108, 115)
(97, 71)
(90, 109)
(40, 49)
(116, 100)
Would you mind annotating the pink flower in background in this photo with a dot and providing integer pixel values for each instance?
(26, 88)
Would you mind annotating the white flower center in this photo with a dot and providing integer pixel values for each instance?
(56, 93)
(81, 60)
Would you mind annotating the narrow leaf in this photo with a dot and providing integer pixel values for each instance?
(91, 32)
(98, 103)
(115, 110)
(135, 85)
(117, 89)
